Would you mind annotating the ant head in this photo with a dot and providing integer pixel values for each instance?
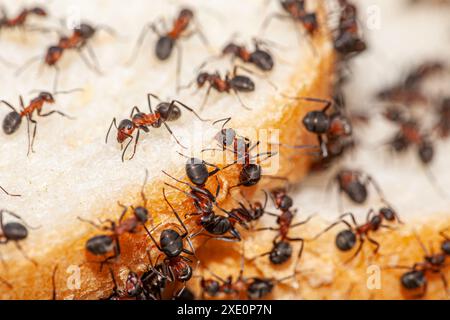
(259, 288)
(345, 240)
(310, 23)
(211, 287)
(85, 31)
(281, 252)
(125, 128)
(39, 11)
(388, 213)
(202, 78)
(133, 284)
(287, 4)
(446, 247)
(197, 171)
(53, 54)
(316, 122)
(141, 214)
(250, 175)
(100, 245)
(282, 200)
(15, 231)
(426, 152)
(414, 279)
(436, 259)
(186, 13)
(168, 111)
(347, 43)
(171, 243)
(231, 48)
(226, 137)
(12, 122)
(47, 97)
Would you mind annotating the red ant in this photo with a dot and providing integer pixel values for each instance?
(354, 184)
(204, 202)
(78, 40)
(282, 248)
(15, 232)
(231, 83)
(21, 19)
(348, 42)
(168, 40)
(165, 112)
(103, 244)
(346, 239)
(296, 11)
(175, 266)
(13, 120)
(415, 280)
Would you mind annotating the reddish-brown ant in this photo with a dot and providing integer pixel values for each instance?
(165, 112)
(348, 42)
(175, 266)
(354, 184)
(13, 120)
(168, 40)
(415, 281)
(20, 20)
(14, 232)
(296, 11)
(347, 239)
(103, 244)
(282, 248)
(204, 202)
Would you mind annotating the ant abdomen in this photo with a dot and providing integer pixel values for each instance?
(262, 60)
(242, 83)
(316, 122)
(164, 47)
(168, 111)
(345, 240)
(100, 245)
(250, 175)
(171, 243)
(11, 122)
(413, 280)
(15, 231)
(281, 252)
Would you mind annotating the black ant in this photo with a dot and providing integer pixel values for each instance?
(103, 244)
(168, 40)
(20, 20)
(204, 202)
(231, 83)
(175, 266)
(13, 120)
(415, 280)
(348, 42)
(354, 184)
(77, 41)
(165, 112)
(347, 239)
(296, 12)
(15, 232)
(282, 248)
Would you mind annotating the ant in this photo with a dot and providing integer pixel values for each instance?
(20, 20)
(348, 42)
(175, 266)
(251, 212)
(168, 40)
(231, 83)
(346, 239)
(165, 112)
(415, 280)
(15, 232)
(204, 201)
(133, 288)
(334, 126)
(443, 123)
(282, 248)
(13, 120)
(296, 12)
(354, 184)
(102, 244)
(78, 40)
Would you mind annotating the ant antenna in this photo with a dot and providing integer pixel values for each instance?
(54, 282)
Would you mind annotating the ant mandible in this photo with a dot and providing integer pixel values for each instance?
(282, 248)
(15, 232)
(13, 120)
(415, 280)
(165, 112)
(168, 40)
(346, 239)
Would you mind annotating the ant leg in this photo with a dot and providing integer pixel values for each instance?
(9, 194)
(370, 180)
(31, 143)
(444, 282)
(369, 214)
(19, 247)
(8, 105)
(7, 63)
(205, 99)
(88, 63)
(422, 245)
(140, 41)
(53, 112)
(124, 211)
(302, 222)
(95, 225)
(267, 228)
(126, 147)
(361, 243)
(54, 282)
(135, 108)
(178, 67)
(17, 217)
(269, 19)
(300, 251)
(113, 122)
(149, 96)
(351, 215)
(377, 245)
(173, 135)
(176, 215)
(136, 140)
(27, 64)
(332, 226)
(6, 283)
(190, 110)
(93, 56)
(236, 93)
